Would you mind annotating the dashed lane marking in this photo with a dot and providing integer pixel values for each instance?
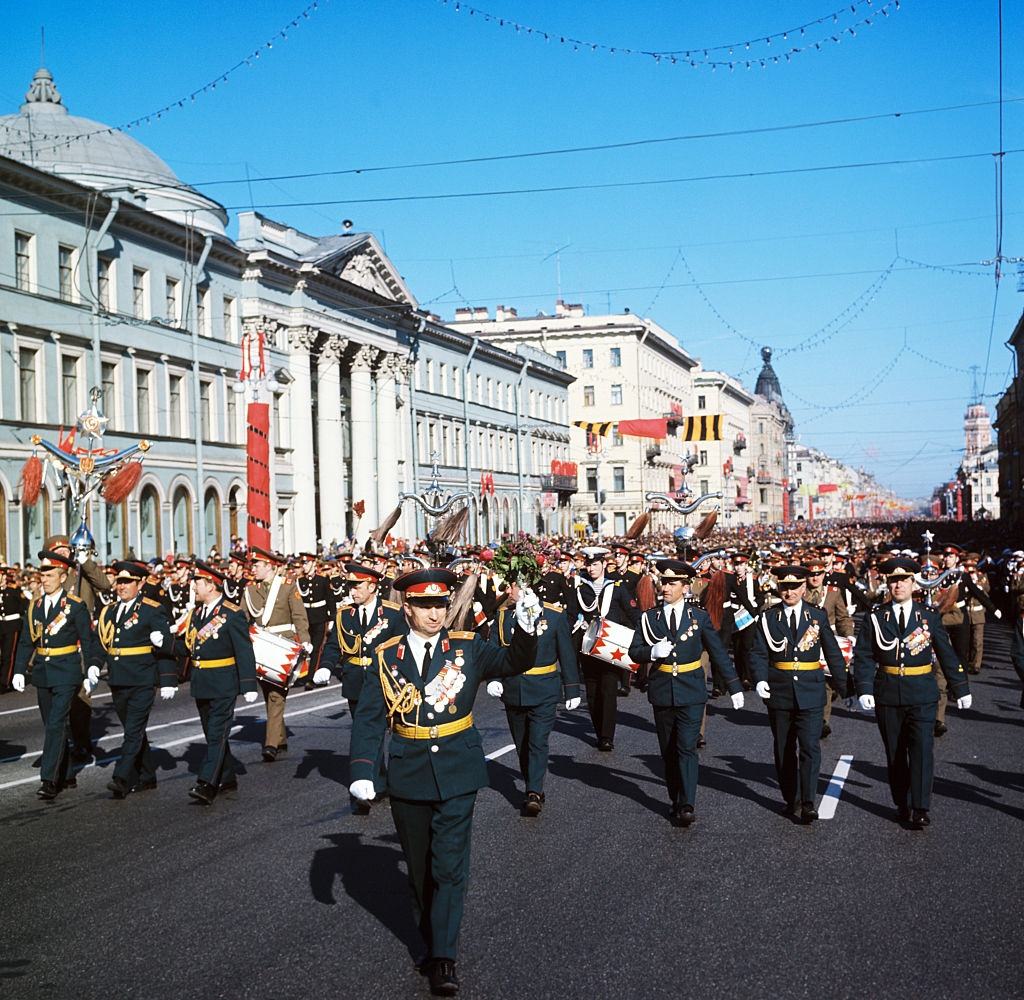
(830, 800)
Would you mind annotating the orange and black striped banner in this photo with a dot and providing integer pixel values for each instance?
(707, 427)
(602, 429)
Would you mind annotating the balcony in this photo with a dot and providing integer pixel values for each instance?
(739, 444)
(764, 477)
(564, 485)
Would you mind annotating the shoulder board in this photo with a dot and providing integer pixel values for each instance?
(553, 607)
(151, 603)
(231, 607)
(617, 583)
(394, 605)
(460, 634)
(393, 641)
(75, 598)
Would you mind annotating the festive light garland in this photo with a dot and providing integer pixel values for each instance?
(64, 141)
(705, 55)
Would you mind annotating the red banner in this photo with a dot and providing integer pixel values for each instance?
(827, 487)
(258, 474)
(656, 428)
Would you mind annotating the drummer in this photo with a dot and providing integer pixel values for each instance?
(275, 605)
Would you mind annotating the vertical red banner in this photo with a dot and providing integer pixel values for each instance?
(258, 474)
(785, 501)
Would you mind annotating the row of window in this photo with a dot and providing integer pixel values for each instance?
(70, 289)
(447, 380)
(587, 357)
(488, 449)
(615, 396)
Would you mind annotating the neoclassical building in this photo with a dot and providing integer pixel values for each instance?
(114, 274)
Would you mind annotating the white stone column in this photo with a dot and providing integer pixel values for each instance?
(387, 436)
(332, 499)
(301, 341)
(362, 423)
(404, 369)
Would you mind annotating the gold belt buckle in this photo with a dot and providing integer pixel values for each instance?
(903, 670)
(432, 732)
(675, 669)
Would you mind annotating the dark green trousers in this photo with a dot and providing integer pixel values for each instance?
(678, 729)
(55, 707)
(531, 731)
(133, 705)
(216, 715)
(797, 735)
(435, 838)
(908, 735)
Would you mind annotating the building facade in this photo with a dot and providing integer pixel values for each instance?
(771, 434)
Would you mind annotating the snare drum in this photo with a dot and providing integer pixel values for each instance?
(279, 661)
(609, 641)
(846, 644)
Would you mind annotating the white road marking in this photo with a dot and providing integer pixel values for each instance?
(500, 752)
(830, 800)
(35, 708)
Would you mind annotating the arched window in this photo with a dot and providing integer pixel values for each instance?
(35, 526)
(233, 505)
(117, 538)
(181, 521)
(149, 524)
(211, 520)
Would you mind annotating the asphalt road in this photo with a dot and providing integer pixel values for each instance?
(279, 892)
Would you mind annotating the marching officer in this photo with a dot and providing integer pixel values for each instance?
(828, 597)
(56, 643)
(216, 638)
(672, 638)
(359, 630)
(786, 657)
(531, 698)
(318, 600)
(130, 631)
(12, 611)
(895, 677)
(276, 605)
(424, 686)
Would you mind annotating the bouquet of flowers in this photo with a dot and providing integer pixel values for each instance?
(518, 561)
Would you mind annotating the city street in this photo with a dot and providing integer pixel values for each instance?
(278, 891)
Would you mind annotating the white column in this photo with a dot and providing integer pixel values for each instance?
(332, 497)
(404, 370)
(362, 423)
(301, 341)
(387, 437)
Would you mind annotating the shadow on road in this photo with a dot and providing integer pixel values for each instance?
(328, 764)
(609, 779)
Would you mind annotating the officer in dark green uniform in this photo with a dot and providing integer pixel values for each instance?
(216, 638)
(672, 638)
(424, 685)
(359, 630)
(531, 699)
(785, 660)
(895, 676)
(130, 630)
(56, 643)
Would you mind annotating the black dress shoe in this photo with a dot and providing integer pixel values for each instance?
(826, 731)
(145, 786)
(716, 693)
(308, 686)
(359, 807)
(940, 729)
(47, 791)
(808, 814)
(204, 792)
(118, 787)
(623, 691)
(533, 804)
(687, 817)
(38, 762)
(605, 745)
(81, 755)
(919, 818)
(71, 782)
(270, 754)
(903, 815)
(790, 809)
(231, 785)
(443, 981)
(674, 810)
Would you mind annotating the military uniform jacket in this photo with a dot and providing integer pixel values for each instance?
(446, 766)
(126, 649)
(880, 644)
(693, 635)
(12, 609)
(67, 627)
(288, 616)
(317, 598)
(831, 601)
(86, 580)
(354, 647)
(814, 638)
(222, 638)
(554, 648)
(613, 602)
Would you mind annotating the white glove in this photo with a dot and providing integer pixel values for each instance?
(572, 704)
(737, 699)
(965, 701)
(477, 607)
(18, 682)
(763, 691)
(167, 693)
(250, 696)
(156, 639)
(308, 647)
(495, 689)
(998, 613)
(82, 558)
(528, 611)
(867, 702)
(362, 790)
(321, 676)
(93, 675)
(662, 648)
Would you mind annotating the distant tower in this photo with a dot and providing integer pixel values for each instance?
(977, 431)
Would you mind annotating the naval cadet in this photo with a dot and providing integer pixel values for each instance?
(56, 643)
(531, 698)
(895, 676)
(216, 638)
(130, 632)
(672, 639)
(424, 686)
(12, 612)
(791, 640)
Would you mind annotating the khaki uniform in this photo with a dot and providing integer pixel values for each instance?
(287, 619)
(830, 600)
(976, 614)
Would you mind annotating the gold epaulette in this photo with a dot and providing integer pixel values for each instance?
(460, 634)
(231, 607)
(151, 602)
(75, 598)
(393, 641)
(394, 605)
(553, 607)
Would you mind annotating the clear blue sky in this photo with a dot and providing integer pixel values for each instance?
(370, 84)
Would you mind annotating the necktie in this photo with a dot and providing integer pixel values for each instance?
(792, 624)
(362, 617)
(425, 665)
(673, 623)
(901, 620)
